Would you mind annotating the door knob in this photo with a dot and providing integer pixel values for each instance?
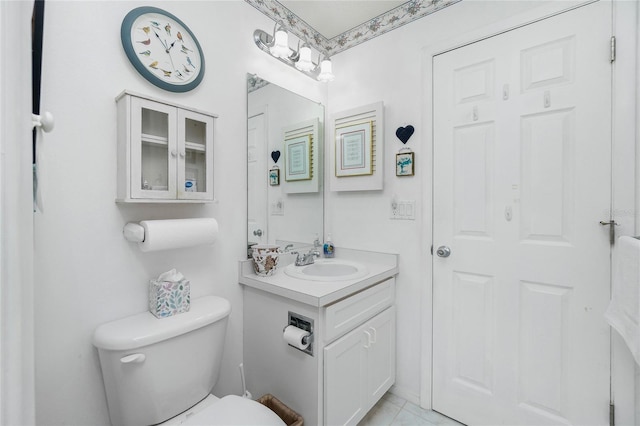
(258, 232)
(443, 251)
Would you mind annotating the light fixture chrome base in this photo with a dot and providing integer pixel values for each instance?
(264, 41)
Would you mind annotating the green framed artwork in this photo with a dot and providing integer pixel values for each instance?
(354, 150)
(298, 158)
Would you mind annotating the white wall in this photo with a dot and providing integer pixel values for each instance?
(86, 273)
(393, 68)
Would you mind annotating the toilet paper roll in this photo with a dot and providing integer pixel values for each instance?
(178, 233)
(294, 335)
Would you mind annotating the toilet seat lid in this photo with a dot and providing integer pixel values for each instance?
(235, 410)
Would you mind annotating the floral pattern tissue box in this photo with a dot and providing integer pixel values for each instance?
(168, 298)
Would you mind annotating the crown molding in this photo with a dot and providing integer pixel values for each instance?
(381, 24)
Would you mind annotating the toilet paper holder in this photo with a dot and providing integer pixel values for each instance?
(303, 323)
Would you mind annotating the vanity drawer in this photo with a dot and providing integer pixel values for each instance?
(348, 313)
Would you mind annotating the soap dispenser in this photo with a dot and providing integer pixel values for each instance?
(329, 248)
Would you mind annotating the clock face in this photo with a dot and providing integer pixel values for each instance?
(162, 49)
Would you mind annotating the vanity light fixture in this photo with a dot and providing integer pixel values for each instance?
(277, 45)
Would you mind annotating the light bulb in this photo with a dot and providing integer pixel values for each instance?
(325, 71)
(304, 63)
(280, 48)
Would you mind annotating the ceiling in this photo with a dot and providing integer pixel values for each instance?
(332, 26)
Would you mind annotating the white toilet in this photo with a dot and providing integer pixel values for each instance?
(163, 370)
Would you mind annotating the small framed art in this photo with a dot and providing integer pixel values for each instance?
(405, 164)
(274, 177)
(298, 158)
(354, 152)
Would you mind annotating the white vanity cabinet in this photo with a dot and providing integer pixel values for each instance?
(165, 151)
(353, 360)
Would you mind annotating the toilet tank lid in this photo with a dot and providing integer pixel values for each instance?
(145, 329)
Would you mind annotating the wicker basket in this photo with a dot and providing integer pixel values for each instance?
(290, 417)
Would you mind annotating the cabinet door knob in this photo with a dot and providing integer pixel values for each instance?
(182, 154)
(174, 153)
(368, 345)
(375, 334)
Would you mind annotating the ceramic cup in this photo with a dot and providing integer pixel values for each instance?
(265, 259)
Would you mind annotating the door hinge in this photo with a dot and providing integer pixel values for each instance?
(612, 414)
(612, 229)
(613, 49)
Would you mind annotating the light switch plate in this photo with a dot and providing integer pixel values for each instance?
(403, 210)
(277, 208)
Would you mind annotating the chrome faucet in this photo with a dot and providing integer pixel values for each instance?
(288, 247)
(305, 258)
(308, 258)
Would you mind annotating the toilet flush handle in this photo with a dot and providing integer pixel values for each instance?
(133, 358)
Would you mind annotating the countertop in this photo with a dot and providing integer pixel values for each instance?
(381, 266)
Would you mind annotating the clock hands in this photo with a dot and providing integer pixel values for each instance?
(167, 48)
(161, 41)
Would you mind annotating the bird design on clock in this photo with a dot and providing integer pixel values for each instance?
(172, 59)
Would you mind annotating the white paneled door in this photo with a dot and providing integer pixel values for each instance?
(521, 265)
(257, 177)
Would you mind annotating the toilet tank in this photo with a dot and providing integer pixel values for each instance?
(154, 369)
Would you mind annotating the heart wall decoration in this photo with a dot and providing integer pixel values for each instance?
(404, 133)
(275, 155)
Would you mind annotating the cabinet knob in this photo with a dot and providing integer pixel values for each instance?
(182, 154)
(174, 153)
(368, 344)
(374, 333)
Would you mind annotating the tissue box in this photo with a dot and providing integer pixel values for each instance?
(169, 298)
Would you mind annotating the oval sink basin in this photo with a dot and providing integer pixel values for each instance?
(327, 270)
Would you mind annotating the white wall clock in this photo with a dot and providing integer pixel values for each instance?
(162, 49)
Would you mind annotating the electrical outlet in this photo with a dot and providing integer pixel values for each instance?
(394, 210)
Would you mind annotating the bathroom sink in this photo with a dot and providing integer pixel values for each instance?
(328, 270)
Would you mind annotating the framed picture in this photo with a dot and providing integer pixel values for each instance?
(297, 158)
(354, 150)
(274, 177)
(405, 164)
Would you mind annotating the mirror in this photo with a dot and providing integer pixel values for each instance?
(284, 166)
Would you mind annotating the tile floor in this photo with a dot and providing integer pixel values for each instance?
(392, 410)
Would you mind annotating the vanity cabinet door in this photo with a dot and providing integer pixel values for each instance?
(345, 379)
(381, 359)
(359, 368)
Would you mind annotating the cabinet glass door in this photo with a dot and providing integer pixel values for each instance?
(153, 153)
(195, 165)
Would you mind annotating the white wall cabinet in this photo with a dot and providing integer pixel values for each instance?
(165, 151)
(353, 362)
